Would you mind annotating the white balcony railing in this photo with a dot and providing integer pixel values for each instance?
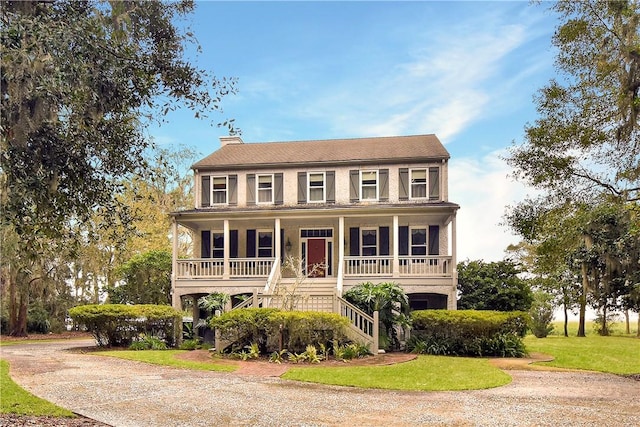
(417, 266)
(368, 266)
(208, 268)
(425, 266)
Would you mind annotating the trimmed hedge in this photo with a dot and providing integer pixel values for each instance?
(271, 328)
(469, 332)
(120, 324)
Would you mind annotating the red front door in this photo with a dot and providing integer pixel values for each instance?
(316, 257)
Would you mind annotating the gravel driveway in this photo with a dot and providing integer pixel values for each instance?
(124, 393)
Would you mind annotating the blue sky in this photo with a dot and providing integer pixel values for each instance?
(466, 71)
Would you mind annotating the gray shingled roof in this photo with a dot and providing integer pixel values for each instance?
(330, 151)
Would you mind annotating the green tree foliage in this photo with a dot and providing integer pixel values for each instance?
(146, 279)
(492, 286)
(586, 140)
(541, 313)
(80, 81)
(391, 303)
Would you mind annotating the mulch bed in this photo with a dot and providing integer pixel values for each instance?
(262, 367)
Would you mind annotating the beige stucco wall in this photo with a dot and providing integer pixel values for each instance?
(342, 182)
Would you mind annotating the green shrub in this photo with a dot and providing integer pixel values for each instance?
(302, 328)
(120, 325)
(541, 313)
(468, 332)
(272, 328)
(148, 342)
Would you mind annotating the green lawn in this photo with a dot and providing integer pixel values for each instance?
(15, 400)
(614, 354)
(167, 358)
(426, 373)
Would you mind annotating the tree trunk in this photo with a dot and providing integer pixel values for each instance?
(603, 326)
(18, 324)
(583, 301)
(638, 331)
(566, 320)
(626, 322)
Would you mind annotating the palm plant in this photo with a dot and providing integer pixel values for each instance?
(389, 300)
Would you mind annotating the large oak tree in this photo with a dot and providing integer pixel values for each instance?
(80, 80)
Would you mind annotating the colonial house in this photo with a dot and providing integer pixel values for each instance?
(345, 211)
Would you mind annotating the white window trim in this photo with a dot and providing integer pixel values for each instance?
(377, 185)
(324, 187)
(258, 247)
(362, 230)
(426, 241)
(270, 202)
(212, 191)
(426, 184)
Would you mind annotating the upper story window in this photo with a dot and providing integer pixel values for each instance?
(369, 185)
(265, 188)
(316, 187)
(419, 183)
(218, 190)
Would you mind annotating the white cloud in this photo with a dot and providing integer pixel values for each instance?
(482, 188)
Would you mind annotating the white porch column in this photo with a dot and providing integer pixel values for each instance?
(396, 248)
(453, 304)
(278, 245)
(341, 239)
(175, 298)
(226, 269)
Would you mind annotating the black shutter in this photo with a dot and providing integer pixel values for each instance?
(331, 186)
(233, 244)
(384, 241)
(233, 189)
(383, 176)
(403, 240)
(354, 186)
(205, 244)
(404, 184)
(354, 241)
(302, 187)
(206, 191)
(434, 240)
(251, 243)
(278, 191)
(434, 184)
(251, 189)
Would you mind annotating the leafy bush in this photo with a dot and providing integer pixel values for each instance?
(302, 328)
(120, 325)
(271, 328)
(148, 342)
(468, 332)
(541, 313)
